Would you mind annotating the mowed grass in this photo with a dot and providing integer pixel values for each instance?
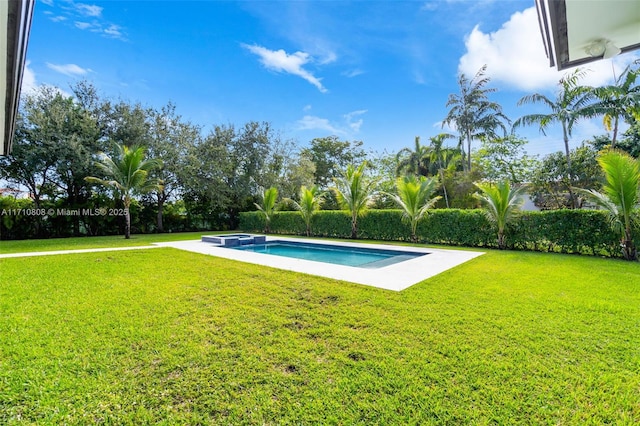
(171, 337)
(76, 243)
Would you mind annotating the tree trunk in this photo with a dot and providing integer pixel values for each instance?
(127, 217)
(628, 249)
(501, 240)
(74, 201)
(444, 188)
(159, 217)
(354, 229)
(615, 132)
(468, 152)
(572, 200)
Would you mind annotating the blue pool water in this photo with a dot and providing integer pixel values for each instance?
(328, 253)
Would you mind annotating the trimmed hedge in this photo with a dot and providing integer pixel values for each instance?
(563, 231)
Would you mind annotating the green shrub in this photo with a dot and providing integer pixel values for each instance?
(13, 223)
(332, 223)
(254, 221)
(384, 225)
(458, 227)
(288, 222)
(565, 231)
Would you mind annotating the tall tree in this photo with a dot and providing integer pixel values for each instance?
(550, 184)
(248, 155)
(472, 113)
(416, 161)
(127, 175)
(55, 137)
(382, 168)
(128, 124)
(331, 155)
(566, 109)
(204, 177)
(629, 142)
(619, 196)
(223, 173)
(415, 197)
(300, 171)
(169, 139)
(505, 159)
(619, 100)
(353, 192)
(78, 138)
(445, 160)
(33, 160)
(501, 203)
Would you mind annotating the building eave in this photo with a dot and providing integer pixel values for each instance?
(16, 19)
(568, 27)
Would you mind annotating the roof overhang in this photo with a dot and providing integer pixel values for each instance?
(15, 23)
(576, 32)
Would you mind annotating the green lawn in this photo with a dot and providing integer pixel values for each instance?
(174, 337)
(53, 244)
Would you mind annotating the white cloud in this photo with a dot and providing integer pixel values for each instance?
(71, 70)
(515, 55)
(281, 61)
(88, 17)
(113, 31)
(328, 57)
(28, 79)
(47, 2)
(345, 127)
(353, 73)
(30, 85)
(89, 9)
(418, 77)
(82, 25)
(355, 125)
(429, 6)
(444, 127)
(310, 122)
(306, 108)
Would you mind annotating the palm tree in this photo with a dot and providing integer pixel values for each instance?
(414, 161)
(444, 159)
(501, 203)
(621, 99)
(310, 200)
(127, 175)
(414, 197)
(447, 161)
(472, 114)
(568, 107)
(353, 192)
(268, 206)
(620, 195)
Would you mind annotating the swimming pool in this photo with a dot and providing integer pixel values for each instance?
(394, 276)
(329, 253)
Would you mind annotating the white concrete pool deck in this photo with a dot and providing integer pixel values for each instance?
(395, 277)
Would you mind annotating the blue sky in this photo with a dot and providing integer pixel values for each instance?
(376, 71)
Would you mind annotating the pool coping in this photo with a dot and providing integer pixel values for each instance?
(394, 277)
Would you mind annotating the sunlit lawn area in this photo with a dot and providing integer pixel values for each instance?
(174, 337)
(54, 244)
